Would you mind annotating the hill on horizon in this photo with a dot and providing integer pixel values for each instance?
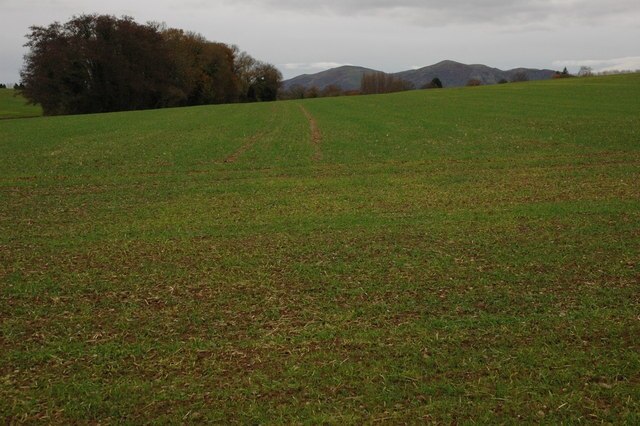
(451, 73)
(348, 77)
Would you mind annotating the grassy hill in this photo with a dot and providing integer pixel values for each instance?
(12, 106)
(447, 256)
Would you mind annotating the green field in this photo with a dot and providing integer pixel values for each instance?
(449, 256)
(14, 106)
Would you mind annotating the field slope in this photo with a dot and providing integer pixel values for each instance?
(446, 255)
(15, 106)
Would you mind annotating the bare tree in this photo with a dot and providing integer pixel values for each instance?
(585, 71)
(380, 82)
(331, 90)
(520, 77)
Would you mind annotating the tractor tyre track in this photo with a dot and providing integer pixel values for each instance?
(253, 139)
(316, 135)
(244, 148)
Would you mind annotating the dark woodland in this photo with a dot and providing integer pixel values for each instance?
(101, 63)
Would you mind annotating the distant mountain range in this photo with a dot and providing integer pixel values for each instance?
(451, 73)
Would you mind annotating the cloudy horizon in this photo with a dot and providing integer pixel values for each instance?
(302, 37)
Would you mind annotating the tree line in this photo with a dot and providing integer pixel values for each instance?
(370, 83)
(380, 82)
(101, 63)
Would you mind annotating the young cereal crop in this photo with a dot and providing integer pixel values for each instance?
(448, 256)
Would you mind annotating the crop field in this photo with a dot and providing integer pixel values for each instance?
(14, 106)
(445, 256)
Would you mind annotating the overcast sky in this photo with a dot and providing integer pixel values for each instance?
(301, 36)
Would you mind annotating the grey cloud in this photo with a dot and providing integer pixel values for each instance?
(310, 66)
(439, 12)
(387, 35)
